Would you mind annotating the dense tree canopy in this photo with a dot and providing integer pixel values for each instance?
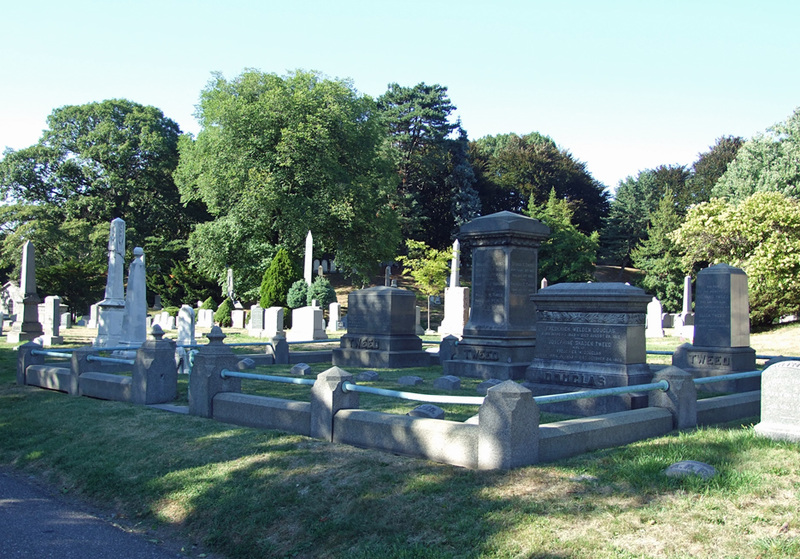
(761, 235)
(435, 193)
(510, 169)
(277, 157)
(94, 163)
(769, 162)
(567, 254)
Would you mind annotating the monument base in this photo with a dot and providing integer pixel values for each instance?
(49, 341)
(381, 351)
(24, 333)
(702, 362)
(551, 376)
(110, 320)
(485, 358)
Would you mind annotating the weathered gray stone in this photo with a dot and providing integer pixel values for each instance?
(500, 335)
(206, 380)
(134, 323)
(780, 402)
(427, 410)
(27, 327)
(447, 382)
(381, 331)
(368, 376)
(410, 380)
(155, 378)
(302, 369)
(246, 364)
(680, 399)
(327, 398)
(307, 325)
(508, 424)
(687, 468)
(111, 310)
(483, 387)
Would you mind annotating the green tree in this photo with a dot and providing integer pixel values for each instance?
(94, 163)
(510, 169)
(222, 315)
(769, 162)
(278, 279)
(322, 291)
(761, 235)
(567, 254)
(277, 157)
(419, 130)
(181, 285)
(429, 268)
(659, 258)
(298, 295)
(710, 166)
(78, 283)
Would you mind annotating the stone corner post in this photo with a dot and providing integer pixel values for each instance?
(155, 376)
(206, 380)
(327, 398)
(508, 428)
(25, 358)
(680, 399)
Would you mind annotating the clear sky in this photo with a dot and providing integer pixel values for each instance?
(623, 85)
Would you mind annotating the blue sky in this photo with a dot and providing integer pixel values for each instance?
(623, 85)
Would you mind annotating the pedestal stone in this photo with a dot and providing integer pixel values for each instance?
(721, 342)
(27, 327)
(500, 336)
(590, 335)
(381, 331)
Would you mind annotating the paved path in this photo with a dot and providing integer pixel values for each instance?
(36, 525)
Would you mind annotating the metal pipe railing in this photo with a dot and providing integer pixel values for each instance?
(101, 359)
(225, 373)
(599, 392)
(730, 376)
(433, 398)
(47, 353)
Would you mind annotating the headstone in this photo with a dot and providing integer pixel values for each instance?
(500, 336)
(368, 376)
(335, 317)
(418, 329)
(157, 303)
(684, 323)
(456, 300)
(309, 259)
(590, 336)
(689, 468)
(111, 310)
(387, 277)
(302, 369)
(52, 322)
(324, 265)
(273, 322)
(427, 410)
(256, 328)
(721, 342)
(237, 318)
(307, 325)
(687, 295)
(10, 297)
(447, 382)
(486, 385)
(27, 327)
(654, 321)
(65, 319)
(92, 316)
(381, 331)
(667, 320)
(185, 337)
(780, 395)
(410, 380)
(205, 318)
(134, 323)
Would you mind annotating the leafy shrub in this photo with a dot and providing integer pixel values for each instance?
(223, 314)
(298, 295)
(209, 304)
(322, 291)
(278, 280)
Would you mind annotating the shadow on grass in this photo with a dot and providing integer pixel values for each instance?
(248, 493)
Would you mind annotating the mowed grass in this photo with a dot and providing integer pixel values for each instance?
(246, 493)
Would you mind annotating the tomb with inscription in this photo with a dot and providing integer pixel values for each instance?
(500, 335)
(721, 343)
(590, 336)
(381, 331)
(780, 393)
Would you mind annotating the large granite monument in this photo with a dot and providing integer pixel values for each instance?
(721, 342)
(589, 336)
(381, 331)
(499, 338)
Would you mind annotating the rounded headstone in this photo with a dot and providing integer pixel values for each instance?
(427, 410)
(410, 380)
(688, 468)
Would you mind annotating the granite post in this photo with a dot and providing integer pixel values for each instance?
(134, 329)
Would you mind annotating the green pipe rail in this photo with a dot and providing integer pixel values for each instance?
(599, 392)
(432, 398)
(47, 353)
(101, 359)
(225, 373)
(729, 376)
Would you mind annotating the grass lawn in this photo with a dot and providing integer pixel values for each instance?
(246, 493)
